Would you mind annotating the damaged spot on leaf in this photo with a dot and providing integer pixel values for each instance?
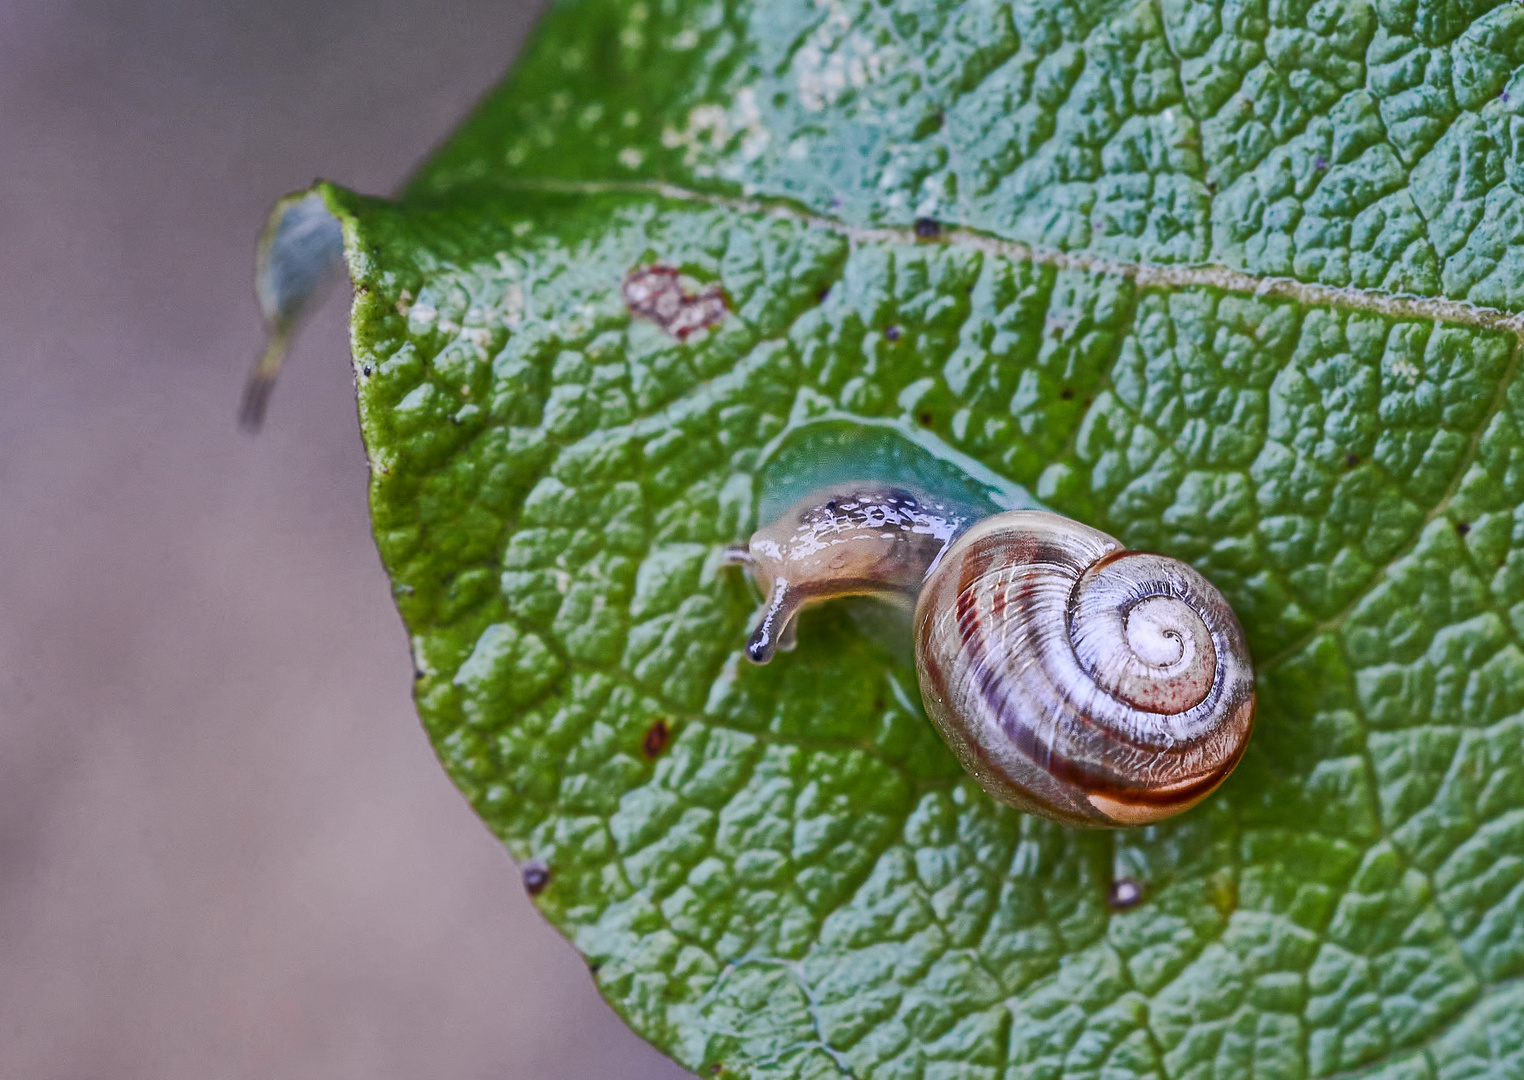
(657, 293)
(536, 877)
(656, 739)
(1124, 893)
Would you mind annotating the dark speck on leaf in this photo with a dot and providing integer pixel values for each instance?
(366, 371)
(1463, 527)
(892, 333)
(1124, 893)
(536, 877)
(1066, 394)
(1351, 460)
(1320, 162)
(927, 228)
(716, 1069)
(923, 418)
(656, 739)
(823, 293)
(417, 675)
(1503, 96)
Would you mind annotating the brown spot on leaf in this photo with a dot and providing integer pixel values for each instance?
(657, 293)
(536, 877)
(1463, 527)
(1351, 460)
(924, 419)
(656, 739)
(927, 228)
(1066, 394)
(892, 333)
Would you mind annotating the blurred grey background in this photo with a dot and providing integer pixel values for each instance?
(226, 848)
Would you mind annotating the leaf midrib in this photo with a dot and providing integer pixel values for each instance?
(1143, 274)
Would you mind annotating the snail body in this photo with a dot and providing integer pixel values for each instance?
(1073, 678)
(845, 540)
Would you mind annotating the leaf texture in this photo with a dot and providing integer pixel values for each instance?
(1157, 293)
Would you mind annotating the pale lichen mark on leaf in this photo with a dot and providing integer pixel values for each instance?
(834, 58)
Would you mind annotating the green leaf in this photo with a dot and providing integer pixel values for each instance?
(1159, 295)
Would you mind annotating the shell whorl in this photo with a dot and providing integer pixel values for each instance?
(1077, 679)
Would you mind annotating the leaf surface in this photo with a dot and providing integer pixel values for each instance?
(1156, 291)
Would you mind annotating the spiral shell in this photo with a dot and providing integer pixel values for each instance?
(1079, 680)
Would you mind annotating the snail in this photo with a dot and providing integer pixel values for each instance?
(1073, 678)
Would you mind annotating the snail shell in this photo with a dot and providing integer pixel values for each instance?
(1071, 677)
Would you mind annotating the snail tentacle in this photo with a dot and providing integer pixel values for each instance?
(777, 629)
